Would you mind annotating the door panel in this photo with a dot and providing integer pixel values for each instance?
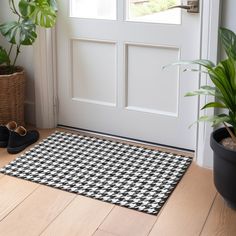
(157, 83)
(92, 80)
(111, 77)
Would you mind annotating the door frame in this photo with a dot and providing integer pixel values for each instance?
(45, 72)
(210, 22)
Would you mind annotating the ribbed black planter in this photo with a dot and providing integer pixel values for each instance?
(224, 168)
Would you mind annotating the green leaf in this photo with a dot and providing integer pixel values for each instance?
(215, 120)
(221, 75)
(205, 90)
(24, 8)
(53, 5)
(22, 32)
(205, 118)
(219, 119)
(41, 12)
(223, 86)
(4, 58)
(195, 70)
(229, 67)
(213, 104)
(197, 93)
(207, 87)
(205, 63)
(228, 39)
(7, 30)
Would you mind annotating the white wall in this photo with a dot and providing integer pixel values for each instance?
(26, 60)
(229, 14)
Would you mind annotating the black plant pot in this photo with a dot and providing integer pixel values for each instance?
(224, 168)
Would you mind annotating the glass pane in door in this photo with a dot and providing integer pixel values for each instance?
(156, 11)
(96, 9)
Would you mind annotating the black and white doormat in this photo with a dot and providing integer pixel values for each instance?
(114, 172)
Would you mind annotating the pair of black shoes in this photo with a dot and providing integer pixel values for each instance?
(16, 138)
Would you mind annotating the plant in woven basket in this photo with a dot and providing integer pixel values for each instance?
(22, 31)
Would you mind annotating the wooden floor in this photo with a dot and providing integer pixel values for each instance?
(194, 208)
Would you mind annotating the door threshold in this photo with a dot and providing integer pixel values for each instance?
(162, 147)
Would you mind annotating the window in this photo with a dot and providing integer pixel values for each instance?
(154, 11)
(96, 9)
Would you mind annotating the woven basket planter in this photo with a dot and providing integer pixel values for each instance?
(12, 96)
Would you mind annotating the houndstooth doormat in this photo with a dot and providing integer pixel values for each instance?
(122, 174)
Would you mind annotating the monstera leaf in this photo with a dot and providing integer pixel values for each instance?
(41, 12)
(29, 15)
(4, 58)
(22, 32)
(53, 4)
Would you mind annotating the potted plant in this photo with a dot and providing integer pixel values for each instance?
(20, 32)
(223, 140)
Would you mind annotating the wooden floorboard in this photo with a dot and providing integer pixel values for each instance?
(103, 233)
(188, 207)
(122, 221)
(34, 214)
(29, 209)
(221, 220)
(5, 158)
(12, 192)
(82, 217)
(1, 151)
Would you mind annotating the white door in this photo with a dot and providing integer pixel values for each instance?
(110, 75)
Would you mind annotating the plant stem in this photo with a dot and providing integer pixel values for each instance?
(17, 54)
(14, 8)
(18, 46)
(9, 53)
(230, 132)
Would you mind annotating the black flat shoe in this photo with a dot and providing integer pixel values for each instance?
(20, 138)
(5, 132)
